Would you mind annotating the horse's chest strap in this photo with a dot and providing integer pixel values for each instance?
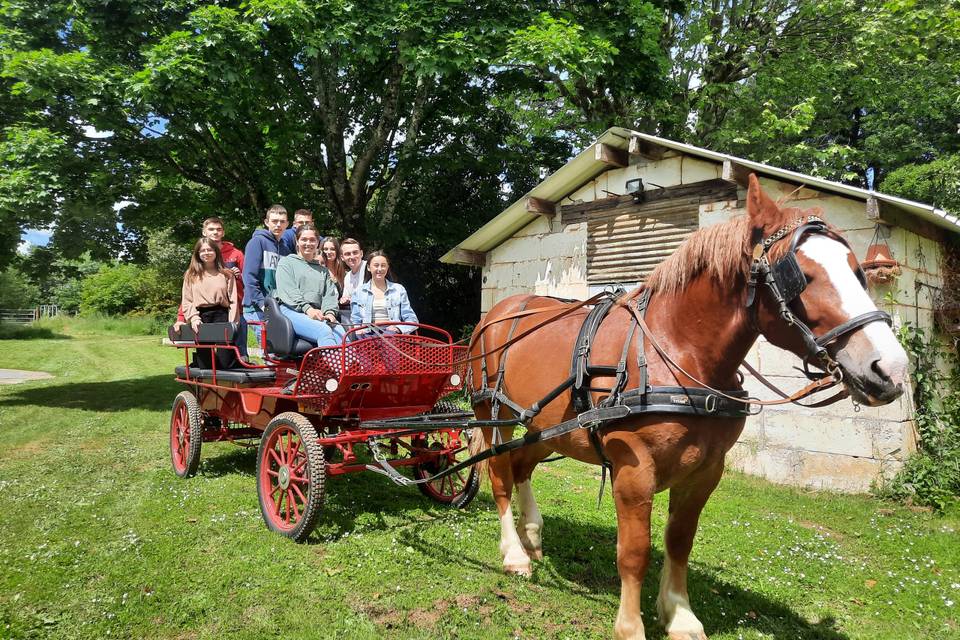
(581, 368)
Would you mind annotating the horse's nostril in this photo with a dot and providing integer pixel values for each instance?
(888, 371)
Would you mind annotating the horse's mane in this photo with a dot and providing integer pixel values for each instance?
(722, 250)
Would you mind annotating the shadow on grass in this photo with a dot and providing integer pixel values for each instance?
(20, 332)
(363, 501)
(582, 560)
(155, 393)
(581, 557)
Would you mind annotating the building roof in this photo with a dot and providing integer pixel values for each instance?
(585, 167)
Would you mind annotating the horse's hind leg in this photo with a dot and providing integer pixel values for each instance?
(530, 526)
(515, 558)
(686, 503)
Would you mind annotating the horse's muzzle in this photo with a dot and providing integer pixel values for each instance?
(875, 380)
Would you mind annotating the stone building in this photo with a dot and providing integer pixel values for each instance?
(582, 229)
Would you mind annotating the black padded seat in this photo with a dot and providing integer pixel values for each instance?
(282, 341)
(241, 376)
(210, 333)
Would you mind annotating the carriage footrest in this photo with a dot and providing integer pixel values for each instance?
(241, 376)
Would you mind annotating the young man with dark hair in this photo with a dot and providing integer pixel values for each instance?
(288, 243)
(260, 260)
(352, 256)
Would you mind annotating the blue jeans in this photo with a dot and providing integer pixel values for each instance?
(316, 331)
(255, 316)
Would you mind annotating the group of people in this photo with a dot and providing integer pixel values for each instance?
(320, 284)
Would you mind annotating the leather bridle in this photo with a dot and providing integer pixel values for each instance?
(785, 281)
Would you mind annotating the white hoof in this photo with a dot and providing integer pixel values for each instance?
(518, 569)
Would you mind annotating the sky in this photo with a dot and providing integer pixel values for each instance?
(33, 237)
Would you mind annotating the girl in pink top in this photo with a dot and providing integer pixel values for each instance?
(209, 291)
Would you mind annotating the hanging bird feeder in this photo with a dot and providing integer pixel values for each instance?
(879, 265)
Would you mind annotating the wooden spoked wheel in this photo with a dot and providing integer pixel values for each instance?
(290, 476)
(186, 434)
(457, 489)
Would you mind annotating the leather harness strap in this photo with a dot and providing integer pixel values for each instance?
(581, 368)
(820, 384)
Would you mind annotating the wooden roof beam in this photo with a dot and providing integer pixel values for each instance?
(638, 147)
(735, 173)
(541, 206)
(467, 257)
(611, 155)
(873, 208)
(885, 214)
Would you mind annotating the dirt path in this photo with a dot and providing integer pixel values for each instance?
(16, 376)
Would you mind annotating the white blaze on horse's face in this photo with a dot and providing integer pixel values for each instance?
(874, 364)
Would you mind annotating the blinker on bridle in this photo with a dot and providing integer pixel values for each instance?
(786, 282)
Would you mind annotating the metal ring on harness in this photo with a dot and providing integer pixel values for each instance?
(710, 403)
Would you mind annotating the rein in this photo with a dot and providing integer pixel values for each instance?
(820, 384)
(523, 334)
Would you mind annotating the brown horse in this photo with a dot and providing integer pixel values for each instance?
(699, 314)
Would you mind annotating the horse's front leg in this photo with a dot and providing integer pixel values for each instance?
(515, 558)
(686, 503)
(530, 526)
(633, 489)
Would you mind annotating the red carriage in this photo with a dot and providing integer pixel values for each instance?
(322, 412)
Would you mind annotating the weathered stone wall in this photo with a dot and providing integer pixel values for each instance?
(832, 447)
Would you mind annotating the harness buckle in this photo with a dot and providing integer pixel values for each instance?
(711, 402)
(833, 368)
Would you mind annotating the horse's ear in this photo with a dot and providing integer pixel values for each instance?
(760, 207)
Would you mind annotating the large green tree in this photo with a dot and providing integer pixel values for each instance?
(184, 108)
(396, 121)
(846, 89)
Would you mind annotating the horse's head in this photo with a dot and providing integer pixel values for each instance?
(809, 296)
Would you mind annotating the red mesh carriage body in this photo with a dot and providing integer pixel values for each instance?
(384, 376)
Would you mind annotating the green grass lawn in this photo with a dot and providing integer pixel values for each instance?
(99, 539)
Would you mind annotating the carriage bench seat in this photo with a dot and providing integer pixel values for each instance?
(240, 376)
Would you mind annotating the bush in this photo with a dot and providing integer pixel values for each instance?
(113, 290)
(937, 182)
(16, 292)
(163, 278)
(931, 476)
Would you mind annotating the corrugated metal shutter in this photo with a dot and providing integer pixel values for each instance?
(625, 243)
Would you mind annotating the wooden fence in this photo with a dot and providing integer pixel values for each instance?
(26, 316)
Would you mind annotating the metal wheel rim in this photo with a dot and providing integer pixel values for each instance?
(447, 488)
(285, 478)
(180, 437)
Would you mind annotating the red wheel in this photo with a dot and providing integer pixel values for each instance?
(186, 434)
(457, 489)
(290, 476)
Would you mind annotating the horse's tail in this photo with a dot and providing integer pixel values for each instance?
(480, 440)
